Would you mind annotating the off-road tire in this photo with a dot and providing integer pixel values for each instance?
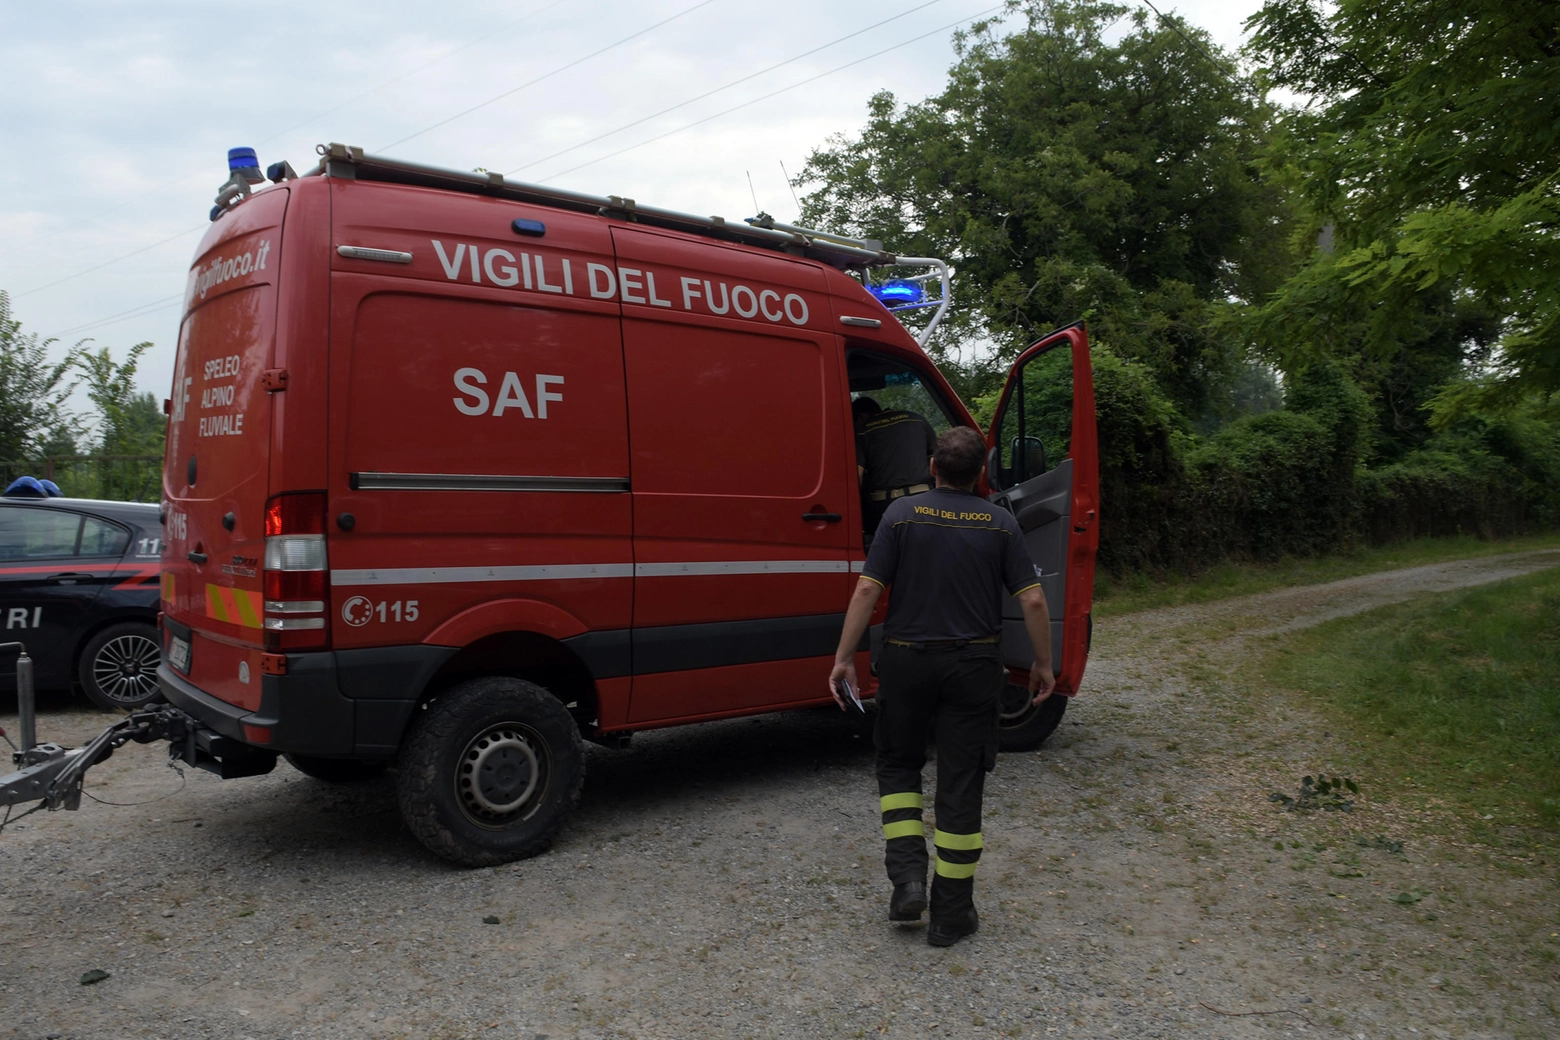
(336, 770)
(483, 740)
(101, 667)
(1024, 726)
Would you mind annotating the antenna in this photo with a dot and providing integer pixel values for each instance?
(756, 206)
(794, 199)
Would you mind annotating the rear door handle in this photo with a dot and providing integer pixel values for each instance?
(69, 577)
(828, 518)
(195, 557)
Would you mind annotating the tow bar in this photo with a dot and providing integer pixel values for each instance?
(51, 774)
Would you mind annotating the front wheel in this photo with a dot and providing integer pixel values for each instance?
(489, 770)
(1023, 725)
(118, 666)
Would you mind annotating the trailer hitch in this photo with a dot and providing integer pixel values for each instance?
(51, 774)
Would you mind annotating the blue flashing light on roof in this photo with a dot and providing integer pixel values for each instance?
(25, 487)
(244, 163)
(898, 293)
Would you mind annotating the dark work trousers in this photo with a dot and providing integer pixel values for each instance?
(953, 692)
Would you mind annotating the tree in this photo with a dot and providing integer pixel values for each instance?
(129, 422)
(1067, 177)
(1430, 154)
(33, 390)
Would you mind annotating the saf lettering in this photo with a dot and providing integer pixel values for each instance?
(511, 394)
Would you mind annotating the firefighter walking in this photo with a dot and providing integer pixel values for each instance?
(950, 556)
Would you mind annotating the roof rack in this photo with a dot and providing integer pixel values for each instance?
(348, 161)
(843, 252)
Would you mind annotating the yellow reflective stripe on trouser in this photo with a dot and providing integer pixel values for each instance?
(905, 829)
(960, 842)
(907, 800)
(954, 870)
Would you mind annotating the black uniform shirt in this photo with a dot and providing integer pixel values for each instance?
(949, 556)
(894, 446)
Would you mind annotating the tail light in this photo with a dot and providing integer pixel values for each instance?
(297, 600)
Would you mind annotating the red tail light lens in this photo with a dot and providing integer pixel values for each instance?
(294, 582)
(302, 513)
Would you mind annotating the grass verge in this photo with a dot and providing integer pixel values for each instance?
(1455, 695)
(1140, 592)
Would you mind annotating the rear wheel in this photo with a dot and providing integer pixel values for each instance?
(1024, 725)
(489, 770)
(336, 770)
(118, 666)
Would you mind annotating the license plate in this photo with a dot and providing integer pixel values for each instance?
(179, 654)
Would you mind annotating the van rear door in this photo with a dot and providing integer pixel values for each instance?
(1043, 465)
(216, 465)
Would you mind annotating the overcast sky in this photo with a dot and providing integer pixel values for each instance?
(118, 115)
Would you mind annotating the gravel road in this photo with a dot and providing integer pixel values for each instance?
(725, 880)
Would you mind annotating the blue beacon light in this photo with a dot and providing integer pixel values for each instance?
(898, 293)
(244, 163)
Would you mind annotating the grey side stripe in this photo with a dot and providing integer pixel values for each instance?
(482, 482)
(453, 575)
(670, 570)
(562, 571)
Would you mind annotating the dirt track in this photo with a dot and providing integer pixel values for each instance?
(725, 880)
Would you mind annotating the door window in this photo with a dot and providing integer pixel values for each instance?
(1034, 433)
(101, 538)
(894, 385)
(27, 533)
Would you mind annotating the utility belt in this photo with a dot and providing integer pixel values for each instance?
(893, 493)
(943, 644)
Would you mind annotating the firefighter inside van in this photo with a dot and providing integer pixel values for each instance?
(893, 455)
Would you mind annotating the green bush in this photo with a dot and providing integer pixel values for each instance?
(1294, 482)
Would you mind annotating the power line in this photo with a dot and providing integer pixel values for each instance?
(1171, 22)
(547, 75)
(115, 260)
(412, 72)
(280, 133)
(114, 319)
(719, 89)
(773, 93)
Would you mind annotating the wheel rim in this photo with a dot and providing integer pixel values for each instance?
(503, 774)
(1017, 706)
(125, 669)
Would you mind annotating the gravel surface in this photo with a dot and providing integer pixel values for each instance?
(726, 880)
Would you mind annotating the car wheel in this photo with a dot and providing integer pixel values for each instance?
(1024, 725)
(336, 770)
(489, 770)
(118, 666)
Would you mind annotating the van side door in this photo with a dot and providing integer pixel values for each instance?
(1043, 465)
(741, 489)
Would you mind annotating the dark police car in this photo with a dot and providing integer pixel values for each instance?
(79, 586)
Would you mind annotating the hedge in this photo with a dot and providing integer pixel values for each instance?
(1297, 481)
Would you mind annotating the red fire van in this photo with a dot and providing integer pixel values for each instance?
(461, 471)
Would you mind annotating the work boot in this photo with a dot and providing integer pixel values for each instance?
(908, 901)
(948, 930)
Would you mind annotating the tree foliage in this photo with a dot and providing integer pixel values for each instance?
(33, 390)
(1431, 151)
(1070, 177)
(129, 422)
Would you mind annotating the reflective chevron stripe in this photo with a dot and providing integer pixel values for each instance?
(235, 606)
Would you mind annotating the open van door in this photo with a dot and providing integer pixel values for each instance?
(1042, 464)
